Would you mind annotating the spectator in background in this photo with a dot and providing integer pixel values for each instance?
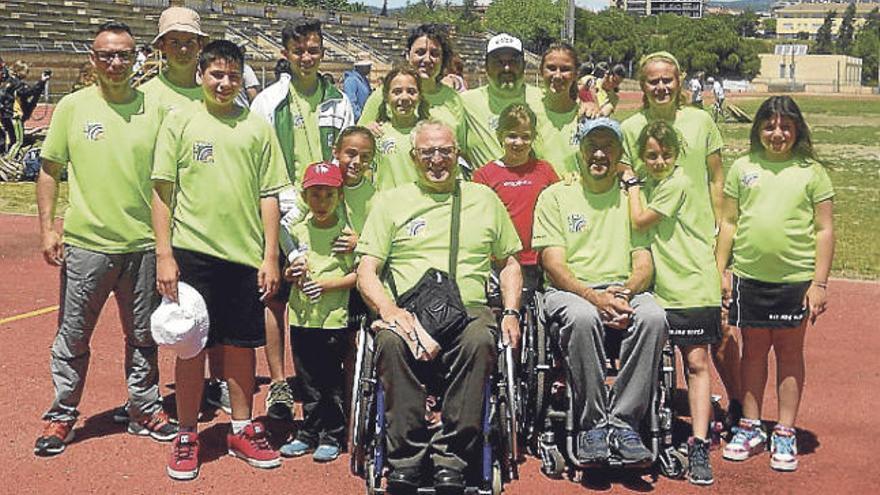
(356, 83)
(455, 75)
(250, 85)
(85, 78)
(695, 86)
(18, 103)
(139, 61)
(282, 66)
(604, 84)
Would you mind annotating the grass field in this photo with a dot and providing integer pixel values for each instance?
(846, 134)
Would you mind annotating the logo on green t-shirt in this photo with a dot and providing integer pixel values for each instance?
(94, 131)
(387, 146)
(750, 180)
(416, 226)
(576, 222)
(203, 152)
(299, 121)
(493, 122)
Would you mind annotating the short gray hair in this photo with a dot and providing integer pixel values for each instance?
(424, 124)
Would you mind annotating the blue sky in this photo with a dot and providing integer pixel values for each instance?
(587, 4)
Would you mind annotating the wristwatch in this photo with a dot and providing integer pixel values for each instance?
(632, 181)
(510, 312)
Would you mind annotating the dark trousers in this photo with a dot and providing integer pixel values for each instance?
(8, 133)
(462, 368)
(318, 356)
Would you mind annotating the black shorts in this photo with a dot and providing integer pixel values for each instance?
(232, 295)
(694, 326)
(766, 304)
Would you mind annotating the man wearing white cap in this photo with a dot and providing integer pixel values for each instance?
(504, 67)
(181, 39)
(356, 84)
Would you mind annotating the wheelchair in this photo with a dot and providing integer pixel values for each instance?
(498, 454)
(549, 423)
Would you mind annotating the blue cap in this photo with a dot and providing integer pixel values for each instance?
(587, 126)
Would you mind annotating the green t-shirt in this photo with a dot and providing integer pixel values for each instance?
(556, 140)
(171, 96)
(357, 201)
(221, 168)
(331, 310)
(775, 238)
(306, 134)
(701, 138)
(108, 150)
(409, 228)
(394, 167)
(685, 275)
(444, 105)
(594, 229)
(482, 107)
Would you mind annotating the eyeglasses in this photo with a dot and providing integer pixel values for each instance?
(124, 56)
(428, 153)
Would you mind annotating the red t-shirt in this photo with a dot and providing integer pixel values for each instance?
(518, 188)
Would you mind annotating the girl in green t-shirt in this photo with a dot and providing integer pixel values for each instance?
(685, 282)
(403, 107)
(777, 224)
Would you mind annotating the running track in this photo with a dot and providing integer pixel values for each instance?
(836, 438)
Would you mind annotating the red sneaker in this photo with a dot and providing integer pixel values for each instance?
(55, 437)
(252, 446)
(184, 461)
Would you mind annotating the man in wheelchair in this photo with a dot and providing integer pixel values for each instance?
(598, 269)
(415, 230)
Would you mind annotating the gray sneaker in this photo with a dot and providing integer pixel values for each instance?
(279, 401)
(627, 443)
(592, 446)
(699, 471)
(217, 395)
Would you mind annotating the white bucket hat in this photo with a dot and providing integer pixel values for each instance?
(183, 325)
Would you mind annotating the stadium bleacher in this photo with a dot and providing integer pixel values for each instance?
(37, 31)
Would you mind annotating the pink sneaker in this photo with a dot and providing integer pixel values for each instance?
(184, 461)
(252, 447)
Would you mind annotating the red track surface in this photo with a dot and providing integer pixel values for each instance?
(836, 436)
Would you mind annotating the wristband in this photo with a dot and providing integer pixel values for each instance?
(823, 285)
(510, 312)
(631, 182)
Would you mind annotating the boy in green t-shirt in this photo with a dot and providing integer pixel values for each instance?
(222, 168)
(318, 311)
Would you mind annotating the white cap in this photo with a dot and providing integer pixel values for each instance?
(182, 326)
(504, 40)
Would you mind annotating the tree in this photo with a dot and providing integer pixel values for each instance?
(746, 24)
(824, 44)
(846, 31)
(769, 26)
(611, 35)
(536, 22)
(384, 12)
(867, 47)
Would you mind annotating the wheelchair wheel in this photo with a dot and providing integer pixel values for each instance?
(673, 463)
(534, 367)
(507, 413)
(370, 478)
(362, 405)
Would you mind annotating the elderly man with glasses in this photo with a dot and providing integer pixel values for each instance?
(104, 135)
(409, 232)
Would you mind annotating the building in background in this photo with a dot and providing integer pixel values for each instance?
(687, 8)
(808, 17)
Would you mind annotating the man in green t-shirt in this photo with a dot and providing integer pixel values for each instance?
(505, 66)
(308, 112)
(598, 272)
(222, 168)
(104, 135)
(407, 232)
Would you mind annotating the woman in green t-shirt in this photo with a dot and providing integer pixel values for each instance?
(403, 107)
(557, 120)
(685, 283)
(777, 224)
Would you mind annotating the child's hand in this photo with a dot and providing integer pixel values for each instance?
(346, 242)
(626, 172)
(375, 128)
(726, 289)
(313, 289)
(296, 270)
(816, 300)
